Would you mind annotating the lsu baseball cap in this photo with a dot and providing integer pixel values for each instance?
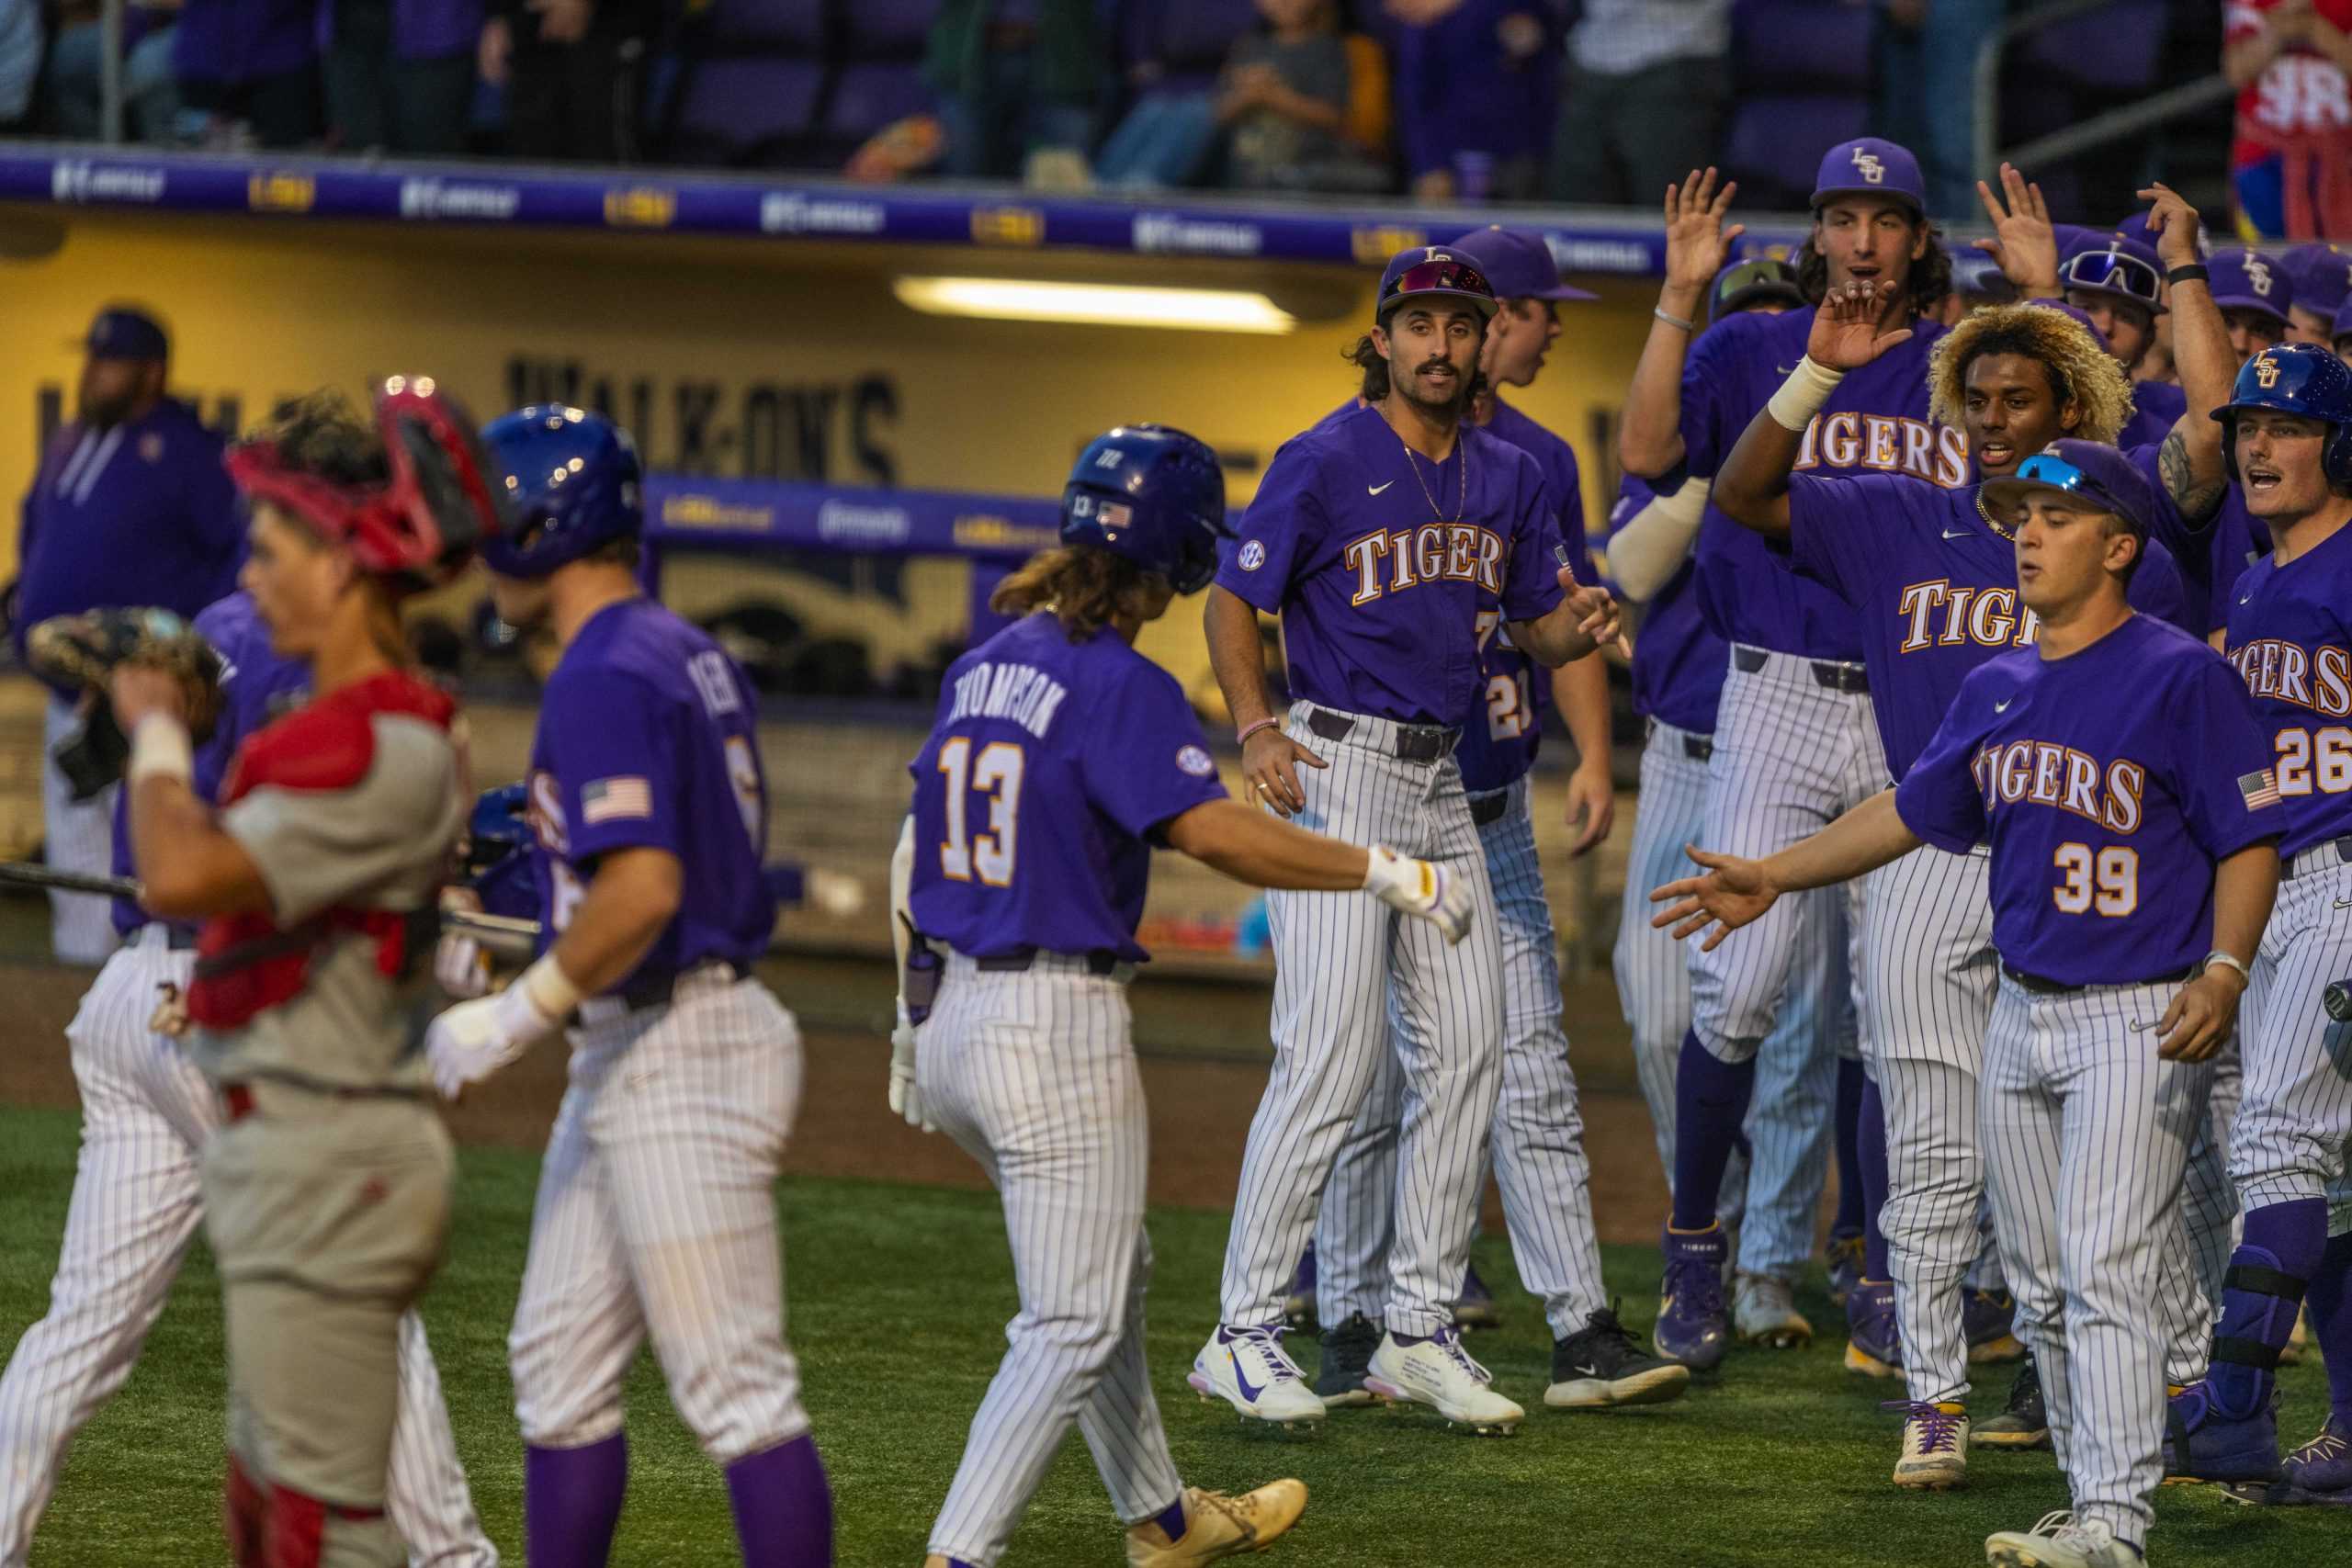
(1978, 279)
(2115, 264)
(2321, 277)
(2242, 280)
(124, 332)
(1433, 271)
(1518, 264)
(2090, 470)
(1753, 282)
(1870, 165)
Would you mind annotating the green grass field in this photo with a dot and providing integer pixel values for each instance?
(898, 1298)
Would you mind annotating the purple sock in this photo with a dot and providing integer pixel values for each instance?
(572, 1503)
(1851, 1082)
(2281, 1249)
(1870, 1139)
(1171, 1519)
(2329, 1299)
(1710, 1102)
(784, 1511)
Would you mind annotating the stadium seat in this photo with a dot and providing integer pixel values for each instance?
(1187, 39)
(2115, 49)
(765, 27)
(899, 29)
(751, 85)
(1774, 148)
(1818, 46)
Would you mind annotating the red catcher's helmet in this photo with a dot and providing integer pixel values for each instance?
(421, 526)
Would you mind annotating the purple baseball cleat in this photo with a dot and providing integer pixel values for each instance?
(1693, 1326)
(1988, 1319)
(2319, 1473)
(2203, 1443)
(1874, 1343)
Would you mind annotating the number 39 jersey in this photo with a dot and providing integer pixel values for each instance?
(2111, 782)
(1049, 771)
(647, 739)
(2288, 639)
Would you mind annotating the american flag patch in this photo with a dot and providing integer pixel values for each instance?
(632, 797)
(2260, 789)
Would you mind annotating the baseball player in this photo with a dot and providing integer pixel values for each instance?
(326, 1184)
(1392, 540)
(655, 1214)
(1059, 759)
(146, 1112)
(1931, 574)
(1539, 1157)
(2288, 426)
(1794, 742)
(2116, 771)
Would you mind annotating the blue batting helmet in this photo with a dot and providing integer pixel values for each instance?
(498, 853)
(2299, 378)
(1153, 495)
(573, 479)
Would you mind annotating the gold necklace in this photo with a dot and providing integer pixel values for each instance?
(2008, 533)
(1462, 502)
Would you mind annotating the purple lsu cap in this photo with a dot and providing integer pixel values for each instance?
(2322, 276)
(1438, 271)
(1871, 166)
(1518, 264)
(2242, 280)
(2097, 473)
(121, 332)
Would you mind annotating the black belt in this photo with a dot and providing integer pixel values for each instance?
(660, 990)
(1698, 748)
(176, 937)
(1099, 961)
(1415, 742)
(1486, 808)
(2343, 848)
(1837, 677)
(2043, 985)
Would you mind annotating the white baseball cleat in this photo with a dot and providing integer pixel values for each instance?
(1764, 1312)
(1438, 1372)
(1935, 1446)
(2058, 1541)
(1248, 1369)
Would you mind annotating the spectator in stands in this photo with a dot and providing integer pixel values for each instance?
(130, 507)
(1647, 86)
(2321, 277)
(400, 74)
(1927, 92)
(74, 78)
(2291, 163)
(250, 68)
(1475, 91)
(19, 61)
(1018, 82)
(574, 74)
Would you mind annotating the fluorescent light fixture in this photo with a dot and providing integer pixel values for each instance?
(1099, 304)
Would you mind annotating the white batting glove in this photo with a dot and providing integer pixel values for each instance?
(906, 1100)
(1422, 889)
(469, 1041)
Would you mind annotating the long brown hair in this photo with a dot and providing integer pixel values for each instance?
(1082, 585)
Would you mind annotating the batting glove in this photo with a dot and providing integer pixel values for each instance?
(458, 961)
(475, 1038)
(1422, 889)
(906, 1100)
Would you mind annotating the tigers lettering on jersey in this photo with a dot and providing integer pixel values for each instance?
(1027, 696)
(2050, 772)
(1887, 443)
(1435, 552)
(1943, 616)
(2319, 677)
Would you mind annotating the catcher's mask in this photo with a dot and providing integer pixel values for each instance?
(418, 529)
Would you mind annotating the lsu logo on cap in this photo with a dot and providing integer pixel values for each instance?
(1867, 162)
(2265, 371)
(2257, 272)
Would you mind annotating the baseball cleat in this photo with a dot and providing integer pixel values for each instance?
(1602, 1365)
(1764, 1310)
(1693, 1326)
(1438, 1372)
(1988, 1322)
(2204, 1443)
(1845, 1259)
(2058, 1541)
(1218, 1525)
(1248, 1369)
(1477, 1307)
(1935, 1444)
(1298, 1306)
(1347, 1356)
(2025, 1422)
(1874, 1343)
(2317, 1474)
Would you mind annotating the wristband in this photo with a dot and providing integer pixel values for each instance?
(1249, 730)
(1801, 395)
(2227, 961)
(160, 749)
(1660, 313)
(2189, 271)
(548, 988)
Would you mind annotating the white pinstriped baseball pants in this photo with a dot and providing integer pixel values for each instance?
(2290, 1141)
(1034, 1073)
(1539, 1155)
(146, 1112)
(656, 1214)
(1340, 960)
(76, 836)
(2086, 1134)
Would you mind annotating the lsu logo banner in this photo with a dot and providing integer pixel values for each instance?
(1023, 226)
(280, 192)
(641, 206)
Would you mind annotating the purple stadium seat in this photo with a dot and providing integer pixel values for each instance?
(887, 29)
(1195, 35)
(765, 27)
(1801, 46)
(747, 112)
(864, 99)
(1775, 146)
(2116, 49)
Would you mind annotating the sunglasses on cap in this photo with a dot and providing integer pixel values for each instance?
(1760, 273)
(1445, 275)
(2113, 272)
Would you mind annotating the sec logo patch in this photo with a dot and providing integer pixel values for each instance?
(1253, 556)
(1195, 760)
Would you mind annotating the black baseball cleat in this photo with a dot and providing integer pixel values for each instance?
(2024, 1422)
(1347, 1357)
(1602, 1365)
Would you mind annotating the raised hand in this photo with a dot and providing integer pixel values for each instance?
(2174, 223)
(1730, 894)
(1845, 335)
(2024, 242)
(1697, 241)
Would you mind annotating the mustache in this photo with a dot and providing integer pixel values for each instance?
(1440, 363)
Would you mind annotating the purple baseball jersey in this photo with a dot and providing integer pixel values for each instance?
(256, 686)
(2156, 407)
(1876, 422)
(647, 739)
(1936, 589)
(2288, 640)
(2110, 783)
(2238, 541)
(1678, 662)
(1047, 775)
(1379, 563)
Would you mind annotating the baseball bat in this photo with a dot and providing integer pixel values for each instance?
(2337, 999)
(502, 929)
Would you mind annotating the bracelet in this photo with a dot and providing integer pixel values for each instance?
(2189, 272)
(160, 749)
(2227, 961)
(1660, 313)
(1243, 738)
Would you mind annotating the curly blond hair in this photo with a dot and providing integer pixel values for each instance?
(2080, 370)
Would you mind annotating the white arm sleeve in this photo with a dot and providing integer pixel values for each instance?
(1650, 547)
(902, 876)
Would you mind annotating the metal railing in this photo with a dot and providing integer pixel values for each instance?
(2116, 125)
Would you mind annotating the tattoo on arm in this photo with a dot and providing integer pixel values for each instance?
(2197, 502)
